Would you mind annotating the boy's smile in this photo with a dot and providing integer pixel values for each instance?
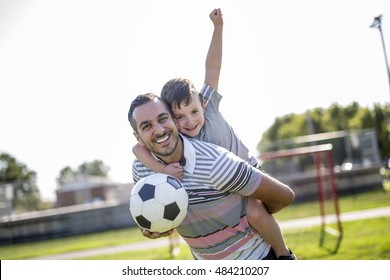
(189, 118)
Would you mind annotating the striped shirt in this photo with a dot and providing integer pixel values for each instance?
(217, 130)
(217, 183)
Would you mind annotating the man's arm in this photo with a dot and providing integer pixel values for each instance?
(274, 194)
(214, 55)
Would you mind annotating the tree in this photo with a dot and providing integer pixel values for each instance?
(66, 175)
(381, 121)
(95, 168)
(25, 193)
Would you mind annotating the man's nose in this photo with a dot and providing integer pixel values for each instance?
(159, 128)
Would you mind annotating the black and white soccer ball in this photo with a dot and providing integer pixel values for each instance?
(158, 202)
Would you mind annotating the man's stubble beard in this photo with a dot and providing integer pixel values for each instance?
(159, 154)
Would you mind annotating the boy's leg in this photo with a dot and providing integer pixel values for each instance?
(267, 226)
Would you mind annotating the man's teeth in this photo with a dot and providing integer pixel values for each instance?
(162, 139)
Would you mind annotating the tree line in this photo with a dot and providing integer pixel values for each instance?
(333, 118)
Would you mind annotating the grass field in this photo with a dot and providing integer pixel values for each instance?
(362, 240)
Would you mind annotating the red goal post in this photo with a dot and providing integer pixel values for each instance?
(323, 156)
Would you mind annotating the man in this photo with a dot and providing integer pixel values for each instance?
(218, 184)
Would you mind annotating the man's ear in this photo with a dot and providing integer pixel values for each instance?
(138, 138)
(203, 104)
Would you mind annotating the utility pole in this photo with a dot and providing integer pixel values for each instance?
(378, 24)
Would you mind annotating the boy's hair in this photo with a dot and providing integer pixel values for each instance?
(139, 101)
(179, 91)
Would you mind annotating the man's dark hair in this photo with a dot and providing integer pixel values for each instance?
(139, 101)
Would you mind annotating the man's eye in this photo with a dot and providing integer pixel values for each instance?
(163, 119)
(146, 127)
(178, 118)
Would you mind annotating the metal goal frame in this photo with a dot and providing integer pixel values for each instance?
(323, 156)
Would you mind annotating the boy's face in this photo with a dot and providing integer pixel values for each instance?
(189, 118)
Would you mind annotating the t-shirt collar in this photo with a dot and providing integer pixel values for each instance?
(188, 159)
(189, 155)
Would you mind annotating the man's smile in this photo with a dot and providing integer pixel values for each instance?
(162, 139)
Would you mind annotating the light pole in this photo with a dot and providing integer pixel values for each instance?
(378, 24)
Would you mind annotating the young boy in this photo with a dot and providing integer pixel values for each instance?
(197, 115)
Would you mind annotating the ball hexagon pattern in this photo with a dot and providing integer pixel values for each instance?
(158, 203)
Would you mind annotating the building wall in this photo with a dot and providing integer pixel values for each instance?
(81, 192)
(66, 199)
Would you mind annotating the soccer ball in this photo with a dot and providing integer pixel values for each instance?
(158, 203)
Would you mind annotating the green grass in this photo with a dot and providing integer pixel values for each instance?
(386, 185)
(367, 239)
(70, 244)
(362, 240)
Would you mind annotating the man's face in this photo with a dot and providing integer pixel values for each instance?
(156, 128)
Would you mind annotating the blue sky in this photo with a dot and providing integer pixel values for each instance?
(69, 69)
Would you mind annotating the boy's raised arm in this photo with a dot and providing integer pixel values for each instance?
(214, 54)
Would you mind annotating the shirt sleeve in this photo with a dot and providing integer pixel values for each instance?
(211, 98)
(232, 174)
(140, 171)
(136, 176)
